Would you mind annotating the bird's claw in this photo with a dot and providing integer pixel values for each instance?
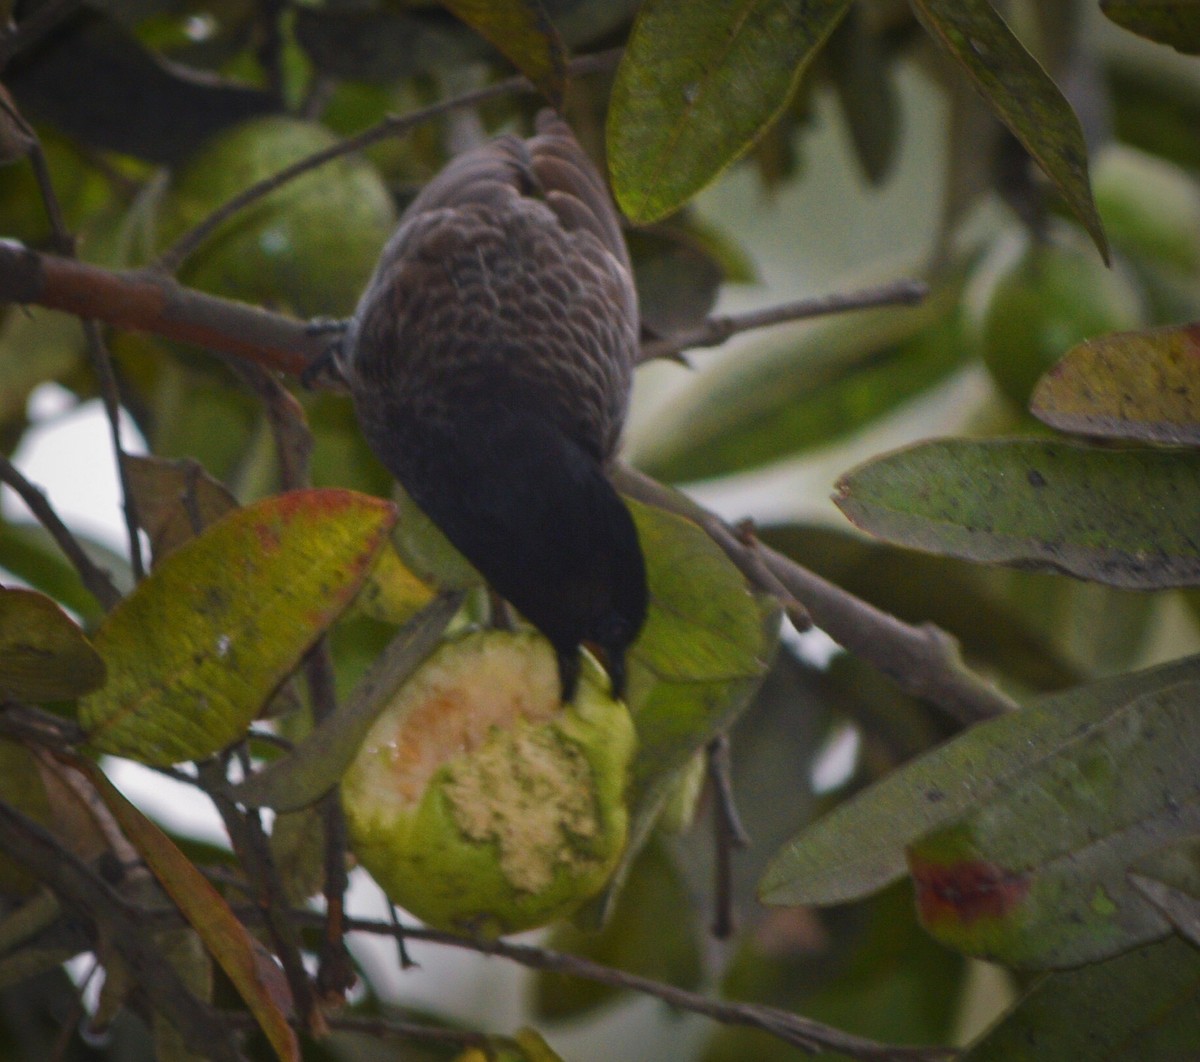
(326, 367)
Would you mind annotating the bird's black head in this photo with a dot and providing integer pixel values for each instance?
(536, 514)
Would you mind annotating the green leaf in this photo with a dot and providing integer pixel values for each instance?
(860, 846)
(1021, 94)
(198, 647)
(1048, 506)
(697, 85)
(1140, 1007)
(43, 655)
(1131, 385)
(228, 941)
(317, 764)
(707, 644)
(1036, 877)
(780, 396)
(23, 786)
(523, 33)
(31, 554)
(1173, 22)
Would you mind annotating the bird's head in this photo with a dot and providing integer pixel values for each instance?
(537, 515)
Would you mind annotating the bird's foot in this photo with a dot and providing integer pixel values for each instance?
(326, 367)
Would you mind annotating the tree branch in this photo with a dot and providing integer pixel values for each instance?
(174, 256)
(717, 329)
(145, 302)
(804, 1033)
(83, 891)
(923, 661)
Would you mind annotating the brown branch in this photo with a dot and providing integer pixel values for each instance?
(84, 892)
(249, 842)
(729, 832)
(144, 302)
(383, 1028)
(923, 661)
(174, 256)
(94, 342)
(801, 1032)
(93, 577)
(717, 329)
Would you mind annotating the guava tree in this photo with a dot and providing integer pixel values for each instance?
(1005, 867)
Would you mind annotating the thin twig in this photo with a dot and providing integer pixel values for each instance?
(717, 329)
(26, 723)
(249, 841)
(97, 350)
(923, 661)
(801, 1032)
(82, 891)
(95, 578)
(102, 366)
(381, 1028)
(729, 832)
(175, 255)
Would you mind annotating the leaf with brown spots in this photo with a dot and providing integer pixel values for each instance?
(1126, 518)
(1038, 875)
(1129, 385)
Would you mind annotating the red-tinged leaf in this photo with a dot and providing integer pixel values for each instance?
(522, 32)
(1130, 385)
(1173, 22)
(1038, 875)
(44, 656)
(1021, 94)
(698, 84)
(859, 847)
(228, 941)
(195, 651)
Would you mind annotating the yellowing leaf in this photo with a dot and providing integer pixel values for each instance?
(1130, 385)
(198, 647)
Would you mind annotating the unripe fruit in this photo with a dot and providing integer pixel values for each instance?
(482, 804)
(308, 247)
(1031, 302)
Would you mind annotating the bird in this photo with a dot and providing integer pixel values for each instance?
(490, 361)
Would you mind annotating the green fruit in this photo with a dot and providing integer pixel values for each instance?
(1150, 207)
(308, 247)
(482, 804)
(1030, 303)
